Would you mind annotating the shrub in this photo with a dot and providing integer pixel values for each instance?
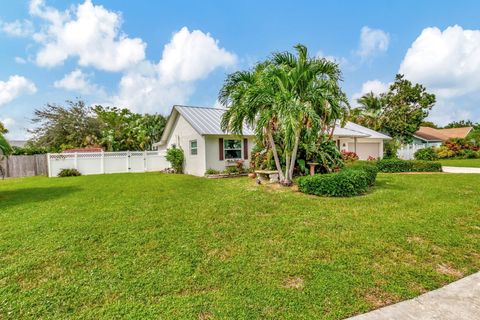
(349, 156)
(69, 173)
(369, 167)
(426, 166)
(390, 149)
(175, 156)
(212, 171)
(351, 181)
(468, 154)
(443, 152)
(426, 154)
(231, 170)
(399, 165)
(394, 165)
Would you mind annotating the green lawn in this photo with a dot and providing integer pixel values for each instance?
(155, 246)
(475, 163)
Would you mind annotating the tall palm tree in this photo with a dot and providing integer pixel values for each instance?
(288, 95)
(370, 111)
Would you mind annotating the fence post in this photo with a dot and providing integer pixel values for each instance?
(75, 161)
(102, 163)
(49, 166)
(128, 161)
(145, 165)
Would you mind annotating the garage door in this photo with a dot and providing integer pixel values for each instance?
(364, 150)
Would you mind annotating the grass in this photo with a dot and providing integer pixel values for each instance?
(149, 246)
(474, 163)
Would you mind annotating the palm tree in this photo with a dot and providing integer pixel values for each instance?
(5, 147)
(370, 111)
(291, 95)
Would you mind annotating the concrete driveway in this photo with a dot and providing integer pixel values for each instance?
(458, 300)
(460, 170)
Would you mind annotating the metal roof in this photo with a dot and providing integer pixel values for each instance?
(207, 120)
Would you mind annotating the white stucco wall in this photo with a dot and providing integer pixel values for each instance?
(212, 152)
(181, 136)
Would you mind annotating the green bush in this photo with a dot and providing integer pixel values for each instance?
(369, 167)
(351, 181)
(69, 173)
(176, 157)
(468, 154)
(399, 165)
(394, 165)
(231, 170)
(426, 154)
(212, 171)
(426, 166)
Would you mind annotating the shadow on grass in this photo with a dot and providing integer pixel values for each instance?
(15, 197)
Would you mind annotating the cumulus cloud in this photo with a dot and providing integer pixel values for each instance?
(372, 41)
(88, 32)
(20, 60)
(188, 57)
(79, 82)
(447, 62)
(14, 87)
(17, 28)
(375, 86)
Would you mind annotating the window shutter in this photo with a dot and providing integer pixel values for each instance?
(220, 148)
(245, 149)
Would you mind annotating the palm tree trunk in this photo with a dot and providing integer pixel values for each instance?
(285, 180)
(275, 155)
(294, 156)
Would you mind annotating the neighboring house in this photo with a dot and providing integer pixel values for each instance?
(431, 137)
(198, 132)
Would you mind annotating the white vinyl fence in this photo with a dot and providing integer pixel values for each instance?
(407, 151)
(107, 162)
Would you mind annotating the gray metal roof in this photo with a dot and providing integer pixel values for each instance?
(207, 120)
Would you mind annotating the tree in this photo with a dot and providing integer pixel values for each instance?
(122, 129)
(60, 127)
(3, 130)
(406, 106)
(461, 124)
(429, 124)
(5, 148)
(399, 112)
(287, 96)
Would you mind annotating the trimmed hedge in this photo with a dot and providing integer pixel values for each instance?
(399, 165)
(352, 181)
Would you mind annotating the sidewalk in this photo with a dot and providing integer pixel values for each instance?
(458, 300)
(460, 169)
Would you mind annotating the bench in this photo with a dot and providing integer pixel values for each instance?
(269, 176)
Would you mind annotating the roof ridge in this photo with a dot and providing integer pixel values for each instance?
(197, 107)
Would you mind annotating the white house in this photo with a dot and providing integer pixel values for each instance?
(198, 132)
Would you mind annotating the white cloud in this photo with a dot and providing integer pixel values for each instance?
(341, 61)
(446, 62)
(79, 82)
(14, 87)
(17, 28)
(372, 41)
(188, 57)
(375, 86)
(20, 60)
(89, 32)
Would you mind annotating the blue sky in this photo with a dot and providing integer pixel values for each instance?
(148, 55)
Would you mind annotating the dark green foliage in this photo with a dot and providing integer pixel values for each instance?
(399, 165)
(390, 149)
(426, 154)
(211, 171)
(176, 157)
(29, 149)
(426, 166)
(69, 173)
(469, 154)
(368, 166)
(352, 181)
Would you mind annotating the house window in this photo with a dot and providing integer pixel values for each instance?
(232, 149)
(193, 147)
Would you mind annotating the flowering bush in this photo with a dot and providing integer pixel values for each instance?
(426, 154)
(370, 158)
(349, 155)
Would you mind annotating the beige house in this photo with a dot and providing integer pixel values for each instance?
(197, 131)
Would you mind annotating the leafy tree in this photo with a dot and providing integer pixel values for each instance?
(60, 127)
(399, 112)
(429, 124)
(122, 129)
(291, 97)
(406, 106)
(5, 148)
(461, 124)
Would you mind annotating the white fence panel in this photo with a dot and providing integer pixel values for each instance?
(407, 151)
(107, 162)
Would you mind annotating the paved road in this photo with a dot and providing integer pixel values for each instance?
(459, 300)
(460, 170)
